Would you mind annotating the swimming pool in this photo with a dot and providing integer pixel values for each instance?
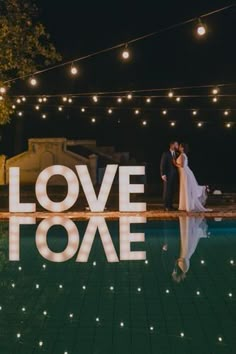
(177, 296)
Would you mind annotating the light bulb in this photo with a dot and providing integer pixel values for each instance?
(119, 99)
(148, 100)
(84, 287)
(201, 28)
(93, 120)
(137, 111)
(83, 110)
(228, 125)
(44, 116)
(182, 334)
(172, 124)
(60, 108)
(18, 100)
(45, 99)
(194, 112)
(110, 111)
(122, 324)
(45, 313)
(178, 99)
(33, 81)
(164, 112)
(40, 100)
(129, 96)
(144, 122)
(18, 335)
(215, 99)
(125, 53)
(40, 343)
(70, 100)
(3, 90)
(170, 94)
(37, 107)
(74, 70)
(95, 99)
(111, 288)
(226, 113)
(215, 91)
(23, 99)
(199, 124)
(64, 99)
(20, 114)
(220, 339)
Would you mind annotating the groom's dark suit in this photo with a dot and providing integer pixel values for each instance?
(169, 170)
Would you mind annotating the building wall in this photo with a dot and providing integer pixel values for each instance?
(43, 153)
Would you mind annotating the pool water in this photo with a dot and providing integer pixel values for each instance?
(177, 296)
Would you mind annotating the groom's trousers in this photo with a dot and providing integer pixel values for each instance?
(169, 190)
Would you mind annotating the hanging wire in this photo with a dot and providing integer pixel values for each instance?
(166, 29)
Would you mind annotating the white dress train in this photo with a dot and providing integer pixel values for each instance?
(192, 197)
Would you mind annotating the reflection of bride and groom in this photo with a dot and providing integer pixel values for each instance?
(192, 197)
(192, 229)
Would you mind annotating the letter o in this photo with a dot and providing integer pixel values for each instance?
(41, 188)
(73, 239)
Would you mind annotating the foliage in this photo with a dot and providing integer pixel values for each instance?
(25, 45)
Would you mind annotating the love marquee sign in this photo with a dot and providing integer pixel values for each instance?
(96, 203)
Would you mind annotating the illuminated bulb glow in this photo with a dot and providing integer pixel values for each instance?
(215, 99)
(170, 94)
(129, 96)
(125, 54)
(119, 99)
(148, 100)
(215, 91)
(228, 125)
(137, 111)
(201, 30)
(164, 112)
(83, 110)
(226, 113)
(172, 124)
(182, 334)
(2, 90)
(64, 99)
(95, 99)
(44, 116)
(110, 111)
(194, 113)
(33, 81)
(74, 70)
(178, 99)
(93, 120)
(144, 122)
(60, 108)
(199, 124)
(37, 108)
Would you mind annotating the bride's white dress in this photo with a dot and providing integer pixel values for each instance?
(192, 197)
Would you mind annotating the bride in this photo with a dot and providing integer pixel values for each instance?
(192, 197)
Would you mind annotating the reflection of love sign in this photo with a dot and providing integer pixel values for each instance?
(96, 203)
(96, 223)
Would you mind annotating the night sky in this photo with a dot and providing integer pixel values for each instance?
(172, 59)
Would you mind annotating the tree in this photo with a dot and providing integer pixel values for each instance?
(25, 47)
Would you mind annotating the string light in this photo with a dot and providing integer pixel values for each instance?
(3, 90)
(18, 335)
(40, 100)
(40, 343)
(82, 110)
(13, 106)
(182, 334)
(70, 100)
(172, 124)
(60, 108)
(215, 91)
(126, 53)
(170, 94)
(144, 122)
(64, 99)
(20, 114)
(37, 107)
(33, 81)
(44, 116)
(95, 99)
(226, 112)
(23, 99)
(164, 112)
(220, 339)
(129, 96)
(93, 120)
(45, 99)
(228, 125)
(148, 100)
(1, 98)
(178, 99)
(201, 28)
(119, 99)
(122, 324)
(73, 70)
(215, 99)
(137, 111)
(195, 113)
(199, 124)
(110, 111)
(18, 100)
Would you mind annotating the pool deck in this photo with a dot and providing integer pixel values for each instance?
(153, 212)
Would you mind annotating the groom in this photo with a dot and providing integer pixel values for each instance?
(169, 174)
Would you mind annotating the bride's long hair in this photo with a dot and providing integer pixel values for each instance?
(185, 146)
